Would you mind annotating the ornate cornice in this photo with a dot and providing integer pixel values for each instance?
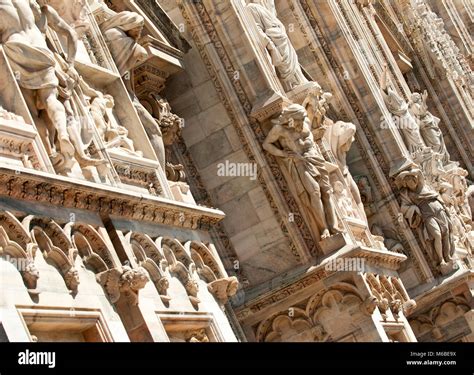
(34, 186)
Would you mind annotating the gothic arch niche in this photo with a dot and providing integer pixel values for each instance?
(182, 266)
(442, 322)
(16, 244)
(91, 247)
(207, 266)
(151, 258)
(56, 247)
(329, 315)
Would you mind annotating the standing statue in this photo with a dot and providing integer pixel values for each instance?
(316, 104)
(340, 137)
(34, 64)
(344, 201)
(423, 209)
(72, 86)
(398, 107)
(114, 135)
(428, 124)
(276, 41)
(305, 164)
(123, 30)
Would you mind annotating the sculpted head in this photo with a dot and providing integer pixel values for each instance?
(293, 117)
(411, 182)
(416, 97)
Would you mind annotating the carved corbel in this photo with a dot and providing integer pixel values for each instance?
(223, 289)
(123, 281)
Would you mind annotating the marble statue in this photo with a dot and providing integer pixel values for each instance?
(404, 120)
(71, 86)
(344, 201)
(428, 124)
(274, 37)
(34, 63)
(305, 165)
(340, 137)
(460, 227)
(73, 12)
(152, 129)
(389, 238)
(424, 209)
(122, 31)
(114, 135)
(316, 104)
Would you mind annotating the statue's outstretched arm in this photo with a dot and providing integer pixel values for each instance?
(61, 27)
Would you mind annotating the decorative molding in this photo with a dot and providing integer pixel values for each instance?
(62, 191)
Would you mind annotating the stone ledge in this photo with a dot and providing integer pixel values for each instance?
(36, 186)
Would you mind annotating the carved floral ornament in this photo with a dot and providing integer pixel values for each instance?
(157, 260)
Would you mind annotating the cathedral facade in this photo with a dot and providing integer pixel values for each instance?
(243, 170)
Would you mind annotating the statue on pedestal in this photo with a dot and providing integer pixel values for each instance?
(340, 137)
(428, 124)
(123, 31)
(424, 209)
(274, 37)
(305, 164)
(404, 120)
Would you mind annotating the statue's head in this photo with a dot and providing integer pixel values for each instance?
(109, 101)
(415, 97)
(293, 117)
(411, 182)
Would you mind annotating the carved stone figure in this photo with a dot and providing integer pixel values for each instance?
(152, 129)
(223, 289)
(461, 229)
(73, 12)
(344, 201)
(428, 124)
(114, 135)
(34, 63)
(122, 32)
(388, 237)
(123, 280)
(365, 190)
(341, 136)
(275, 39)
(423, 208)
(316, 104)
(70, 84)
(305, 164)
(197, 335)
(31, 275)
(404, 120)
